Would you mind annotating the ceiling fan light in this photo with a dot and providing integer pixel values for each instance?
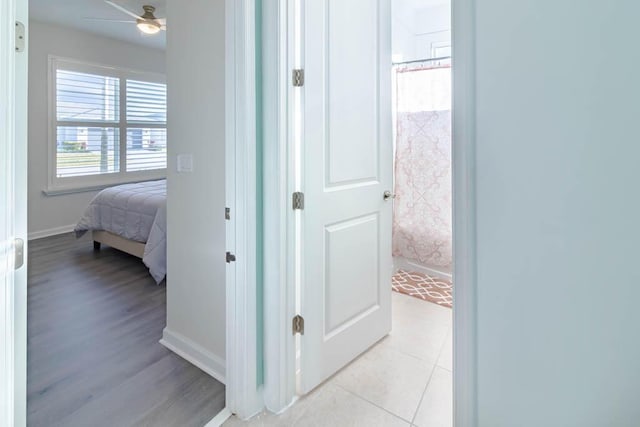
(148, 27)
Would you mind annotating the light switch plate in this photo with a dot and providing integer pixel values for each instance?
(185, 163)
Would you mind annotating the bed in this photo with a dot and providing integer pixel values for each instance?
(133, 219)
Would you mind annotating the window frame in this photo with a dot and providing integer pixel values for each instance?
(63, 185)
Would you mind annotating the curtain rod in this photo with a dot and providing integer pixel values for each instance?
(417, 61)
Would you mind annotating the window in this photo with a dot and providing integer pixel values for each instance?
(109, 125)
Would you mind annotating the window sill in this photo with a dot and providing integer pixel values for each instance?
(61, 191)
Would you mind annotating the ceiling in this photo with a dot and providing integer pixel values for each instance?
(71, 13)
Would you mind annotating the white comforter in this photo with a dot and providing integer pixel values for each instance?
(136, 212)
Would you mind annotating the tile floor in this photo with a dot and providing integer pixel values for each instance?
(404, 380)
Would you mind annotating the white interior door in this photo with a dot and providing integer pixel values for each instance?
(346, 151)
(13, 218)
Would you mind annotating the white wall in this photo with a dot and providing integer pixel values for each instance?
(410, 25)
(403, 36)
(432, 25)
(196, 201)
(558, 213)
(60, 212)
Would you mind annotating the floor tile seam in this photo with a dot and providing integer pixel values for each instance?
(424, 391)
(372, 403)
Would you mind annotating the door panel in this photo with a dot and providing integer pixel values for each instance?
(351, 94)
(351, 288)
(346, 168)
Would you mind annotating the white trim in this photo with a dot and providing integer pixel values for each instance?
(194, 353)
(219, 419)
(8, 378)
(244, 397)
(402, 263)
(88, 189)
(51, 232)
(464, 214)
(101, 181)
(279, 303)
(13, 178)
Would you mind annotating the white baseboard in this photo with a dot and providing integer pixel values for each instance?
(219, 419)
(195, 354)
(401, 263)
(51, 232)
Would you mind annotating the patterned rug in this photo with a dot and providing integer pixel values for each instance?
(418, 285)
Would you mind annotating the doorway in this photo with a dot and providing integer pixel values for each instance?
(108, 339)
(463, 269)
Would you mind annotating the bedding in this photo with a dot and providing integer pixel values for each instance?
(136, 212)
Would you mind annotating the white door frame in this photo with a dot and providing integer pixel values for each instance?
(279, 283)
(7, 135)
(280, 366)
(243, 395)
(13, 140)
(464, 213)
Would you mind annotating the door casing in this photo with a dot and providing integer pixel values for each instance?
(243, 394)
(280, 298)
(13, 96)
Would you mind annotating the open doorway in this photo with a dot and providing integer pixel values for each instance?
(98, 161)
(422, 218)
(407, 376)
(339, 165)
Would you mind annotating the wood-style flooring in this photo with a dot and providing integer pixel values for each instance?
(94, 321)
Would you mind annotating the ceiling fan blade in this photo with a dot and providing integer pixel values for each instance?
(163, 28)
(122, 9)
(110, 20)
(161, 21)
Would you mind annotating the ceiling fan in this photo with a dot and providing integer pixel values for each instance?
(146, 22)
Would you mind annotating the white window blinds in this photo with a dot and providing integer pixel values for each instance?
(146, 125)
(108, 123)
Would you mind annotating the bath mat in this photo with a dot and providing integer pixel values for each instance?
(429, 288)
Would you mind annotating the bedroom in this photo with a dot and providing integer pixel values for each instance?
(97, 125)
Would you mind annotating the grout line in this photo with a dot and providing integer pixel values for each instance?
(442, 347)
(372, 403)
(424, 391)
(393, 348)
(435, 366)
(413, 356)
(420, 358)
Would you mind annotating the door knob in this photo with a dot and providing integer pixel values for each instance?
(388, 195)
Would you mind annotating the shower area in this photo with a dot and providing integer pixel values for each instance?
(422, 220)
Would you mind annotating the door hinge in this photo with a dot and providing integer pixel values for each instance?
(230, 258)
(227, 213)
(298, 78)
(20, 35)
(298, 200)
(298, 325)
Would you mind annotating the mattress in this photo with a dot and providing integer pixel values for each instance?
(136, 212)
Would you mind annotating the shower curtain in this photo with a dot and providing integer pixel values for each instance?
(422, 208)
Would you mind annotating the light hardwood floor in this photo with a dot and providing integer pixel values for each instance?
(94, 321)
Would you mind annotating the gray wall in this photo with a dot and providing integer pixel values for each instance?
(56, 213)
(557, 213)
(196, 200)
